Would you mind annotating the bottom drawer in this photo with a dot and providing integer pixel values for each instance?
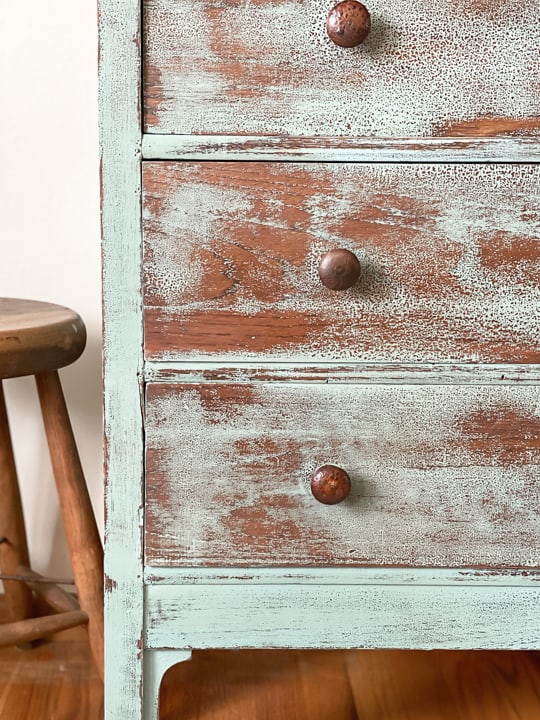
(443, 475)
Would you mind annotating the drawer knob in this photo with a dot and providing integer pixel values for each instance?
(348, 23)
(339, 269)
(330, 485)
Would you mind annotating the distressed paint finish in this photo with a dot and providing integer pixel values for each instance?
(119, 76)
(339, 149)
(450, 259)
(490, 577)
(394, 373)
(428, 68)
(441, 475)
(322, 616)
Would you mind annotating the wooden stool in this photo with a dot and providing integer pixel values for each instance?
(36, 339)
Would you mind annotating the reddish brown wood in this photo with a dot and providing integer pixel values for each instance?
(450, 270)
(442, 475)
(353, 685)
(490, 127)
(82, 535)
(348, 23)
(37, 337)
(25, 631)
(339, 269)
(14, 547)
(330, 485)
(269, 68)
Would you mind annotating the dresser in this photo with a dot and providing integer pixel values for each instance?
(321, 273)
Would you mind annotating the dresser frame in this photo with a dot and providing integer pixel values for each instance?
(155, 616)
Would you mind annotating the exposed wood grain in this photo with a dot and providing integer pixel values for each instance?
(14, 545)
(83, 540)
(442, 475)
(338, 149)
(342, 616)
(449, 255)
(259, 68)
(386, 373)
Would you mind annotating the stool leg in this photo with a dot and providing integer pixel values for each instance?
(13, 546)
(84, 543)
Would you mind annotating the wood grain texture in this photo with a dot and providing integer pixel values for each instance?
(441, 475)
(14, 545)
(80, 527)
(353, 685)
(38, 337)
(55, 680)
(427, 68)
(342, 616)
(450, 259)
(385, 373)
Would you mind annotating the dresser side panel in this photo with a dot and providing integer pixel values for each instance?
(120, 135)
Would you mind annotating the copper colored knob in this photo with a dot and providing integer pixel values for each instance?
(330, 485)
(339, 269)
(348, 23)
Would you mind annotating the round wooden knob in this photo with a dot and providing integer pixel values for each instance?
(330, 485)
(339, 269)
(348, 23)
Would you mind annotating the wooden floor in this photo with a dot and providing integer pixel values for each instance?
(56, 681)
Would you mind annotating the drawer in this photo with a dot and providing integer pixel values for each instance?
(449, 262)
(443, 475)
(429, 68)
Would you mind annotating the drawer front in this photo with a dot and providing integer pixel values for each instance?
(441, 475)
(429, 68)
(449, 262)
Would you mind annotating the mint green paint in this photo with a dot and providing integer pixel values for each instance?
(156, 664)
(180, 608)
(358, 616)
(462, 577)
(341, 149)
(119, 73)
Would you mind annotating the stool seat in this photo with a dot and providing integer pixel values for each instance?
(37, 337)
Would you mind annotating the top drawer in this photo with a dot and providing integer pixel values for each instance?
(429, 68)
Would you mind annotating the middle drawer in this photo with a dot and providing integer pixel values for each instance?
(449, 261)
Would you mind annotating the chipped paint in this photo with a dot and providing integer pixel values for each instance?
(450, 262)
(427, 68)
(442, 475)
(329, 616)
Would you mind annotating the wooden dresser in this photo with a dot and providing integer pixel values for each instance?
(322, 329)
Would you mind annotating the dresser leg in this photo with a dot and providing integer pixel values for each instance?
(156, 664)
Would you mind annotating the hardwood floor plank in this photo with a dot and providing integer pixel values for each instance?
(445, 685)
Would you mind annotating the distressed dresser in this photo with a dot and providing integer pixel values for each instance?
(322, 343)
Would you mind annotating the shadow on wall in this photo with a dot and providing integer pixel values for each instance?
(83, 391)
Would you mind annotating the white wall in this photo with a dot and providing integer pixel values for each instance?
(49, 232)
